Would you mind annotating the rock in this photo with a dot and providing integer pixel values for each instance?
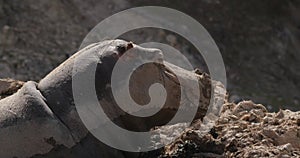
(280, 114)
(270, 133)
(246, 106)
(251, 117)
(258, 112)
(298, 122)
(232, 146)
(287, 147)
(290, 136)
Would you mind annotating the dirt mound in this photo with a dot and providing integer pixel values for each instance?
(243, 130)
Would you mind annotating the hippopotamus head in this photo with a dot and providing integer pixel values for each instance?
(56, 87)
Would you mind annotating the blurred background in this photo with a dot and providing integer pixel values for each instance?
(259, 40)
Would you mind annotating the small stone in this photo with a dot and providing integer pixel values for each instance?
(288, 147)
(298, 121)
(266, 142)
(258, 112)
(270, 133)
(223, 120)
(235, 127)
(243, 125)
(245, 117)
(260, 106)
(233, 117)
(276, 122)
(238, 135)
(266, 119)
(285, 156)
(242, 113)
(252, 118)
(232, 146)
(244, 106)
(280, 114)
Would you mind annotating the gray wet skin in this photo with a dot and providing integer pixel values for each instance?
(27, 124)
(41, 118)
(56, 87)
(42, 115)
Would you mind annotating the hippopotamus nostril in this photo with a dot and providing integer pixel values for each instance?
(129, 45)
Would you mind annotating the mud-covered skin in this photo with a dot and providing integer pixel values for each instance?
(158, 71)
(55, 94)
(27, 123)
(56, 87)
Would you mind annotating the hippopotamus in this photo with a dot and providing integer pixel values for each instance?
(41, 119)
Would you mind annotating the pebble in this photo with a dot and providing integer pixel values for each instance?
(258, 112)
(298, 121)
(288, 147)
(238, 135)
(280, 114)
(285, 156)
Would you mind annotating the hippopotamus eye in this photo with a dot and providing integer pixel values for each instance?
(123, 48)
